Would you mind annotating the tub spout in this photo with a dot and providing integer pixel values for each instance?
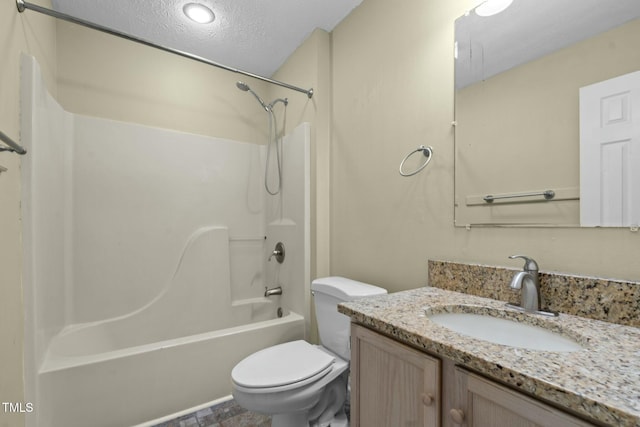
(272, 291)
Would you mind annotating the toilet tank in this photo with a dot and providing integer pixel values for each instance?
(334, 327)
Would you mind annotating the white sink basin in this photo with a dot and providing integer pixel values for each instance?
(504, 331)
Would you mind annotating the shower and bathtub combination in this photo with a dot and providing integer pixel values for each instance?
(146, 257)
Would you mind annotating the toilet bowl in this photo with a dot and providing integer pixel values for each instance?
(287, 381)
(300, 384)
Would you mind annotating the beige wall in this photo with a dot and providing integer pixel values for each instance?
(35, 35)
(392, 91)
(105, 76)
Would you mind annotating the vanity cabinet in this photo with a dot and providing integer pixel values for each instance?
(395, 385)
(479, 402)
(392, 384)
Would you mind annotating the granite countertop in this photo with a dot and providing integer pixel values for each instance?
(601, 382)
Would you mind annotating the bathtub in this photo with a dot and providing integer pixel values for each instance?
(174, 353)
(88, 379)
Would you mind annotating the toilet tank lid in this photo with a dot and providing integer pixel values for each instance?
(345, 289)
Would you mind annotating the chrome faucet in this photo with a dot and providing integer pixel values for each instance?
(272, 291)
(527, 281)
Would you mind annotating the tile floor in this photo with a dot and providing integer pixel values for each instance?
(225, 414)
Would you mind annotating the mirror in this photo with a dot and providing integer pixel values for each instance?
(518, 76)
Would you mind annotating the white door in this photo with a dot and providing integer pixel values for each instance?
(610, 152)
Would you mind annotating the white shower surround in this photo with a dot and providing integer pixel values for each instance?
(145, 262)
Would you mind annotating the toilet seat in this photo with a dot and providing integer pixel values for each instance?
(282, 367)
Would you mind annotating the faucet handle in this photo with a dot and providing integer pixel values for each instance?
(278, 252)
(529, 263)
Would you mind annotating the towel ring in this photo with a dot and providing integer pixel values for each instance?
(428, 153)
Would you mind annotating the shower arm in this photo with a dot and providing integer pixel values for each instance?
(23, 5)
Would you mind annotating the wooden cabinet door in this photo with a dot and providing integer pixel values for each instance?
(483, 403)
(392, 385)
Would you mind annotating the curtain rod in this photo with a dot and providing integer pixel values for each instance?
(22, 5)
(12, 145)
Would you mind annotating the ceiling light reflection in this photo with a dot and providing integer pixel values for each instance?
(199, 13)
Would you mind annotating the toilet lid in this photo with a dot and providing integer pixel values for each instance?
(280, 365)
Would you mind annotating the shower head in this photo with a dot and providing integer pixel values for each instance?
(242, 86)
(245, 87)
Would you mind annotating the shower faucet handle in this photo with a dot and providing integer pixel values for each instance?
(278, 252)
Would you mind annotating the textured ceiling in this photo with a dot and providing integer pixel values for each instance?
(251, 35)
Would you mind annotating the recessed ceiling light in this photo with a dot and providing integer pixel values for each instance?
(492, 7)
(199, 13)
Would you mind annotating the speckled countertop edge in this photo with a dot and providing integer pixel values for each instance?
(601, 382)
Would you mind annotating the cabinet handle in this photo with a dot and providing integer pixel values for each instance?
(427, 399)
(457, 416)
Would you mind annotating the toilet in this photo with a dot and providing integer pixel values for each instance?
(301, 384)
